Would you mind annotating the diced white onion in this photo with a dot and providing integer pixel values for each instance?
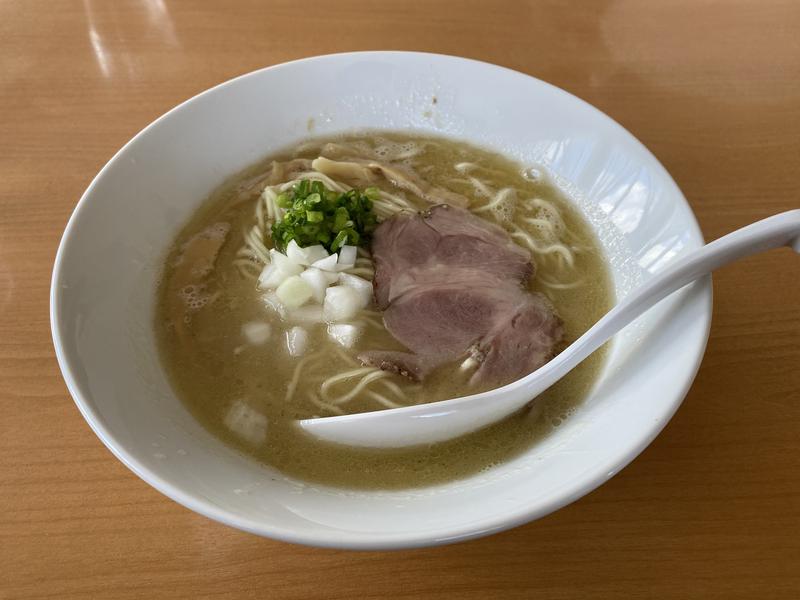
(271, 277)
(245, 422)
(315, 253)
(330, 276)
(305, 256)
(347, 257)
(296, 341)
(361, 285)
(327, 264)
(295, 254)
(256, 332)
(271, 301)
(308, 315)
(344, 334)
(342, 303)
(294, 292)
(283, 262)
(318, 280)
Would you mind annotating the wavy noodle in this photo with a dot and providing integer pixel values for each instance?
(467, 167)
(325, 406)
(365, 273)
(366, 376)
(383, 400)
(499, 199)
(346, 357)
(481, 188)
(560, 286)
(298, 370)
(247, 268)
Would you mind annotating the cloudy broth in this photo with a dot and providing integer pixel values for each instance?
(225, 380)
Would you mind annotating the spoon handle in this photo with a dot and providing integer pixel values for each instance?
(773, 232)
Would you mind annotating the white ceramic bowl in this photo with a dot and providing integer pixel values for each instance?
(106, 271)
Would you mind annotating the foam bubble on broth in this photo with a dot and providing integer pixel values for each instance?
(194, 296)
(504, 206)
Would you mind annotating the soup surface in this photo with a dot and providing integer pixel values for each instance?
(225, 349)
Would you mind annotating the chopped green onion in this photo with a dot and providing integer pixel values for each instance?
(301, 191)
(340, 219)
(339, 241)
(284, 201)
(316, 215)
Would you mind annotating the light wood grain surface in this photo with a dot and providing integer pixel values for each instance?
(710, 510)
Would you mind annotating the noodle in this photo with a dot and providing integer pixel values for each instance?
(560, 286)
(370, 374)
(383, 400)
(365, 273)
(346, 357)
(499, 198)
(290, 389)
(365, 381)
(481, 187)
(324, 405)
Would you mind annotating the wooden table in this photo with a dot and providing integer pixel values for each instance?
(710, 510)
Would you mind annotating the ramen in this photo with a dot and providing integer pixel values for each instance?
(371, 272)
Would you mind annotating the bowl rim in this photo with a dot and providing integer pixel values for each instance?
(695, 348)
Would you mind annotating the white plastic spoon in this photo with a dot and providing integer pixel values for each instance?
(439, 421)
